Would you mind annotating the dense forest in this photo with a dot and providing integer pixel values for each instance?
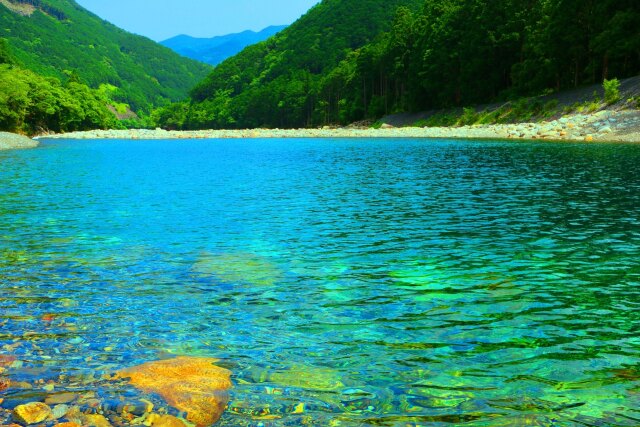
(347, 60)
(56, 38)
(30, 103)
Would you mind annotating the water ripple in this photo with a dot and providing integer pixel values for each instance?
(351, 283)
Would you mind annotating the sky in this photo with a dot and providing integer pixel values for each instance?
(163, 19)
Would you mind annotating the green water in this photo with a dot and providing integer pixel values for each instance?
(344, 282)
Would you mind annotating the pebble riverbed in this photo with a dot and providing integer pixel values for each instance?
(606, 125)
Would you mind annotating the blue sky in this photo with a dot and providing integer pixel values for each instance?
(162, 19)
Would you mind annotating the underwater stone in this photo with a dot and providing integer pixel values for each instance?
(59, 398)
(95, 420)
(31, 413)
(59, 411)
(165, 421)
(191, 384)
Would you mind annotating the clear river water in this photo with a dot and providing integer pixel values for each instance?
(343, 282)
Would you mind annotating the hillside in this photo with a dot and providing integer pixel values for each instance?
(31, 104)
(272, 83)
(59, 38)
(348, 60)
(214, 50)
(460, 53)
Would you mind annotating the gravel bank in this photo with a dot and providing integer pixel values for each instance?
(621, 126)
(10, 141)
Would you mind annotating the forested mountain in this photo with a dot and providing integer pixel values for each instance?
(59, 38)
(30, 103)
(273, 83)
(214, 50)
(348, 60)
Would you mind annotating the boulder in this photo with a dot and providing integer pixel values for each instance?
(9, 141)
(190, 384)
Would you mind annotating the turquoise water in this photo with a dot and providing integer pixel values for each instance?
(377, 283)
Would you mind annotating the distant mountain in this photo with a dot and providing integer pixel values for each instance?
(216, 49)
(59, 38)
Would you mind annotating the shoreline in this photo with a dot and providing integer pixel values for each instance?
(602, 126)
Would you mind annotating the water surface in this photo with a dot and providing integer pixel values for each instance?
(344, 282)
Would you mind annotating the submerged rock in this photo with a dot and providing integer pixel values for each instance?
(246, 268)
(31, 413)
(59, 398)
(306, 377)
(75, 416)
(95, 420)
(156, 420)
(59, 411)
(191, 384)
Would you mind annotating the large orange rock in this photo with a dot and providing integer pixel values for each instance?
(31, 413)
(191, 384)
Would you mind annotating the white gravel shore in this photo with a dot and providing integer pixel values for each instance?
(605, 125)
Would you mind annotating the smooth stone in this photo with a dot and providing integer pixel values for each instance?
(95, 420)
(32, 413)
(67, 424)
(59, 398)
(166, 421)
(59, 411)
(191, 384)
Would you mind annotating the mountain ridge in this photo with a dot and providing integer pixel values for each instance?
(214, 50)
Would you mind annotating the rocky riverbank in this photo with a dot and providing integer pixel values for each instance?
(623, 126)
(10, 141)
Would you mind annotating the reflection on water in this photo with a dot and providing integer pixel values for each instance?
(345, 283)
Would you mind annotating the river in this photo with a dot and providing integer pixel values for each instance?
(393, 282)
